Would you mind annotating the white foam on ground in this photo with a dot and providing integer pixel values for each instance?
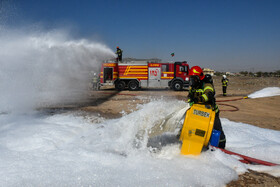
(266, 92)
(69, 150)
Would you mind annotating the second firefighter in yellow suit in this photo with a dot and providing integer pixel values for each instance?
(202, 92)
(225, 84)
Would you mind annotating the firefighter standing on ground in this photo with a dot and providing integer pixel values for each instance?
(225, 84)
(95, 82)
(119, 53)
(202, 92)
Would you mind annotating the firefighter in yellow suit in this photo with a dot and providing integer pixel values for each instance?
(225, 84)
(202, 92)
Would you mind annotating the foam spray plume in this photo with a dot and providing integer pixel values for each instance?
(45, 68)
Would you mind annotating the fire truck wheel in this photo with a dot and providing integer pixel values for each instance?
(133, 85)
(120, 85)
(177, 86)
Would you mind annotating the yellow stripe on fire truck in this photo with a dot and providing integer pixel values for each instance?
(128, 68)
(166, 77)
(133, 77)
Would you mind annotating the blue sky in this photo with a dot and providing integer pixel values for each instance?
(225, 35)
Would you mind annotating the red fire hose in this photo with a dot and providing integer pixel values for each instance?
(245, 159)
(230, 110)
(234, 107)
(248, 160)
(233, 99)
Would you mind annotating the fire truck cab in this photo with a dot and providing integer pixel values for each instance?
(145, 74)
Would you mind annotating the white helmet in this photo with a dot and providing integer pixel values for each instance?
(224, 76)
(94, 74)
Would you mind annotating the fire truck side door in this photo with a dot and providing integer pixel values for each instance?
(154, 77)
(108, 75)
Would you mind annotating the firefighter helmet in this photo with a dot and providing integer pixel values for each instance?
(197, 71)
(117, 47)
(224, 76)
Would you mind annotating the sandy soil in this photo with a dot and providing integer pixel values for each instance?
(261, 112)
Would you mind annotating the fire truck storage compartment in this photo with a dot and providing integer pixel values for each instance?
(154, 77)
(108, 74)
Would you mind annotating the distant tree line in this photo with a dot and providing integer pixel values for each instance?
(251, 74)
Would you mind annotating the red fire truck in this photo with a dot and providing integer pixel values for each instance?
(145, 74)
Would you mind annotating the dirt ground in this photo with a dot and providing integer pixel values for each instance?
(261, 112)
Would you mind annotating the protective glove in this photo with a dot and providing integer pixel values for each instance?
(191, 102)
